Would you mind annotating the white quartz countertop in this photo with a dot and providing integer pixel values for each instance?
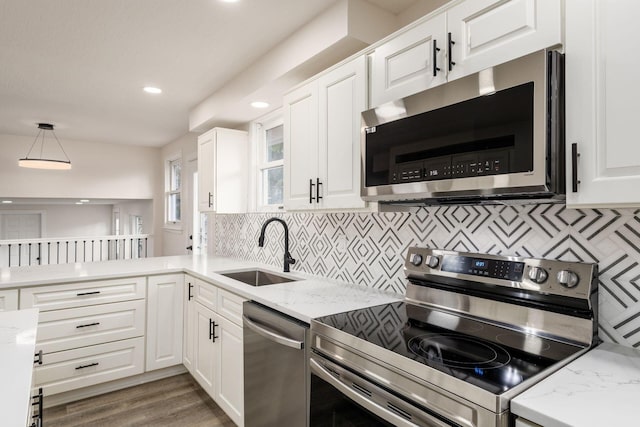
(17, 349)
(304, 299)
(600, 388)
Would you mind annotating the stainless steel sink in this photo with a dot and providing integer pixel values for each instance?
(256, 277)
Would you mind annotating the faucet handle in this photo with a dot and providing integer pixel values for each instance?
(290, 259)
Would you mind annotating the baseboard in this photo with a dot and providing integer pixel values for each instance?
(95, 390)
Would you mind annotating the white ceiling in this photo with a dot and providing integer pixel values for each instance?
(81, 64)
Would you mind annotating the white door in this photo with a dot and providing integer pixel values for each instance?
(410, 63)
(206, 172)
(189, 198)
(301, 147)
(486, 33)
(341, 97)
(205, 360)
(164, 321)
(230, 377)
(601, 102)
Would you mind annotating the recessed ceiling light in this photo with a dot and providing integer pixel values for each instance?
(259, 104)
(229, 1)
(84, 200)
(6, 202)
(78, 203)
(151, 89)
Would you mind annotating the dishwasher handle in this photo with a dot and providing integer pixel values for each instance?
(271, 335)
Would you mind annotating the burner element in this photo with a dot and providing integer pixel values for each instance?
(461, 352)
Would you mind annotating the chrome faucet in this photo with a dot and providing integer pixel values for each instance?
(287, 256)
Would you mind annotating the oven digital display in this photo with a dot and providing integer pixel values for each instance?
(496, 269)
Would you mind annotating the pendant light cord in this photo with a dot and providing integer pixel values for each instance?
(43, 132)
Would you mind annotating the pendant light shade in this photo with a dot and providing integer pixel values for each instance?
(42, 163)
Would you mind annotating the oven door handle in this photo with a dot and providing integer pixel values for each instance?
(361, 400)
(272, 336)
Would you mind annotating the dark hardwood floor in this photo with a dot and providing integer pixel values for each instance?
(174, 401)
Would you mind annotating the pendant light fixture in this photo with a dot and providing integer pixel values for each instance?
(40, 162)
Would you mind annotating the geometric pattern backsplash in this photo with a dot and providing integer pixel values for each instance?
(369, 248)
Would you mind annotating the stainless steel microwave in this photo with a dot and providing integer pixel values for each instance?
(491, 136)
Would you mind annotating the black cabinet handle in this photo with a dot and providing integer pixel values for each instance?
(38, 358)
(87, 293)
(574, 167)
(451, 43)
(311, 185)
(318, 184)
(189, 296)
(436, 49)
(40, 404)
(87, 366)
(87, 325)
(212, 330)
(210, 199)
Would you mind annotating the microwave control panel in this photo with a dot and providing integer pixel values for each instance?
(493, 162)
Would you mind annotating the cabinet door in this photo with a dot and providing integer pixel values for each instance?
(189, 327)
(230, 379)
(206, 172)
(231, 171)
(601, 96)
(205, 358)
(405, 64)
(164, 321)
(9, 300)
(301, 147)
(341, 97)
(490, 32)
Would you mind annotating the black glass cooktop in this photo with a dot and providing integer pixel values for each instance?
(491, 357)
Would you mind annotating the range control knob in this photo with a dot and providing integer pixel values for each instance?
(568, 278)
(415, 259)
(432, 261)
(538, 274)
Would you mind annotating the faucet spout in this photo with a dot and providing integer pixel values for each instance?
(288, 259)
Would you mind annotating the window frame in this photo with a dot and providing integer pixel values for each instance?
(259, 128)
(169, 192)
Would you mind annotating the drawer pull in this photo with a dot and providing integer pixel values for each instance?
(87, 325)
(38, 358)
(87, 366)
(87, 293)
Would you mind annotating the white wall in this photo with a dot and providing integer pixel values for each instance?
(100, 171)
(69, 220)
(143, 208)
(174, 242)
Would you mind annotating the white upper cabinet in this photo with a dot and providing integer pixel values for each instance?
(301, 146)
(223, 164)
(411, 62)
(468, 37)
(322, 140)
(485, 33)
(601, 97)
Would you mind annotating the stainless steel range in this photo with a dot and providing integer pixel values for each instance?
(473, 332)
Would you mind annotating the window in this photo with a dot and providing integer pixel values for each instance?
(173, 192)
(270, 141)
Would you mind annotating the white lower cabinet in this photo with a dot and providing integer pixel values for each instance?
(9, 300)
(213, 351)
(204, 357)
(164, 321)
(230, 370)
(88, 332)
(81, 367)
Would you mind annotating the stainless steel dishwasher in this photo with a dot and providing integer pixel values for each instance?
(276, 388)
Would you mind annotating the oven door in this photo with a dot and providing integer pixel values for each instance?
(340, 397)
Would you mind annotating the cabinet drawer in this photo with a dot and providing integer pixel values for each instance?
(206, 294)
(56, 297)
(82, 367)
(80, 327)
(230, 306)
